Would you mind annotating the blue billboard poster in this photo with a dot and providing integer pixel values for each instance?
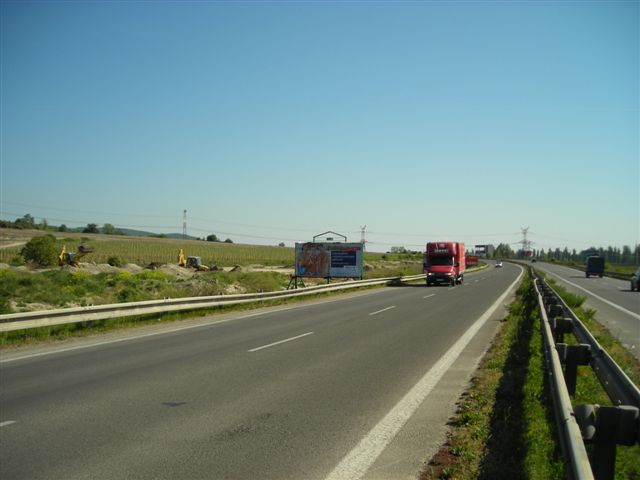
(346, 261)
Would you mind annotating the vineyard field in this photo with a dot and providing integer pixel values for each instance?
(145, 250)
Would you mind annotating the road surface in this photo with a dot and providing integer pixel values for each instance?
(357, 386)
(618, 308)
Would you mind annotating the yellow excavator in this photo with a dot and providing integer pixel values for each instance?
(73, 258)
(191, 262)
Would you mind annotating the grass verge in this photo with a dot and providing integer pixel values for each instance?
(504, 426)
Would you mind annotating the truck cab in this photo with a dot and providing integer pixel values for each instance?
(444, 262)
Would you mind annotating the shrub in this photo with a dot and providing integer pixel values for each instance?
(41, 251)
(114, 261)
(5, 305)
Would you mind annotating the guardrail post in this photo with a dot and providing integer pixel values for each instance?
(555, 310)
(607, 427)
(560, 326)
(571, 356)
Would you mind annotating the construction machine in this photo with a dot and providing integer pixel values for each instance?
(191, 262)
(73, 258)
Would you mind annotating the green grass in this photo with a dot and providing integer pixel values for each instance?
(504, 427)
(64, 288)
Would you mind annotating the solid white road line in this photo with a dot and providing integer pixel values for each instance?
(356, 463)
(383, 310)
(281, 341)
(429, 296)
(622, 309)
(8, 422)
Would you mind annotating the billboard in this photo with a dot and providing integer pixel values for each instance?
(329, 260)
(472, 261)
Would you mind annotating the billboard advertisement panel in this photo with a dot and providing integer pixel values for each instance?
(329, 260)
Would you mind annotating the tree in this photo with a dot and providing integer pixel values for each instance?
(228, 240)
(62, 228)
(109, 229)
(281, 244)
(212, 238)
(503, 250)
(91, 228)
(26, 222)
(41, 251)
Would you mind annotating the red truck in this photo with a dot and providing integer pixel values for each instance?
(444, 262)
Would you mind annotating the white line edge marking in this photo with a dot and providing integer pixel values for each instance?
(164, 332)
(281, 341)
(622, 309)
(383, 310)
(429, 296)
(8, 422)
(356, 463)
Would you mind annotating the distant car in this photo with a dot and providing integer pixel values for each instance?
(635, 281)
(533, 260)
(499, 264)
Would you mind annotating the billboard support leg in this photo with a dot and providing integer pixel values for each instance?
(294, 281)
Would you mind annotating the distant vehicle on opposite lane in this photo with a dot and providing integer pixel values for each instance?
(499, 264)
(635, 280)
(594, 266)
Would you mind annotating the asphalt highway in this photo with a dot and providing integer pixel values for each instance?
(617, 307)
(355, 386)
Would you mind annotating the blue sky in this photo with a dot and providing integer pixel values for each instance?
(275, 121)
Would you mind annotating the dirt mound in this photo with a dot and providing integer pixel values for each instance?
(177, 271)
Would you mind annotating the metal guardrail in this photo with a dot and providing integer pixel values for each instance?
(604, 426)
(47, 318)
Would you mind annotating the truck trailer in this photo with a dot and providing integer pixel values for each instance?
(444, 262)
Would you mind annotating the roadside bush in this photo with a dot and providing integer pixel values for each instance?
(115, 261)
(41, 251)
(8, 284)
(5, 306)
(16, 261)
